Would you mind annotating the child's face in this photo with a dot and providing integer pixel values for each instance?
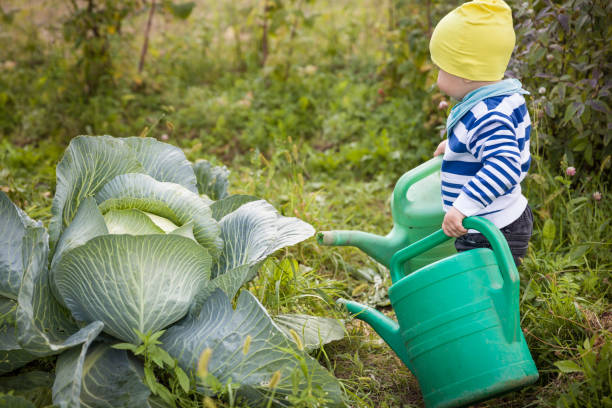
(458, 87)
(452, 85)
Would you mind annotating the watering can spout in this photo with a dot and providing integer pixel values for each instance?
(386, 328)
(377, 247)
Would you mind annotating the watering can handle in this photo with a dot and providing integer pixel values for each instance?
(486, 227)
(402, 186)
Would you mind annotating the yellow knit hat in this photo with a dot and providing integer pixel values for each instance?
(475, 40)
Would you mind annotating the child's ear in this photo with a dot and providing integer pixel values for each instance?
(467, 81)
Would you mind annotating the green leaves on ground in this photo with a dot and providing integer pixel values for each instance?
(224, 330)
(313, 331)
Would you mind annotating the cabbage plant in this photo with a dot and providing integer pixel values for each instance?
(141, 240)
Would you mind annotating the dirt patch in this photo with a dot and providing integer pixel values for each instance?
(606, 321)
(369, 367)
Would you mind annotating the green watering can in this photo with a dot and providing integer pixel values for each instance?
(458, 330)
(416, 207)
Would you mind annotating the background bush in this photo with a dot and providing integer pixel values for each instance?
(563, 56)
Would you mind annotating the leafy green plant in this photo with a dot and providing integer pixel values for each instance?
(137, 245)
(563, 58)
(594, 365)
(155, 357)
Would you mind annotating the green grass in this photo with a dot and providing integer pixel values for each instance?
(565, 296)
(326, 145)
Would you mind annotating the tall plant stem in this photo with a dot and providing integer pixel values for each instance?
(428, 18)
(391, 10)
(291, 38)
(145, 44)
(240, 63)
(92, 23)
(264, 35)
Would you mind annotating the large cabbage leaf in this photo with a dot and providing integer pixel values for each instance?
(44, 326)
(131, 221)
(36, 325)
(168, 200)
(213, 181)
(225, 330)
(253, 232)
(141, 282)
(313, 331)
(94, 376)
(112, 378)
(12, 355)
(87, 224)
(162, 161)
(67, 385)
(102, 377)
(230, 204)
(13, 225)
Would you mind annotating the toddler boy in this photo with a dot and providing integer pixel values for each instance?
(486, 153)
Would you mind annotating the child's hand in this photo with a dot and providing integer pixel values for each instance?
(440, 149)
(452, 224)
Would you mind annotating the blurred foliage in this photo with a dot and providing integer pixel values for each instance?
(564, 58)
(89, 27)
(321, 121)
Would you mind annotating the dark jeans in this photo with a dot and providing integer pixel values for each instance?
(517, 234)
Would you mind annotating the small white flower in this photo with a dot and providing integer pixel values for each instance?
(542, 90)
(310, 69)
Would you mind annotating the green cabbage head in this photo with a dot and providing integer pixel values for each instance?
(142, 240)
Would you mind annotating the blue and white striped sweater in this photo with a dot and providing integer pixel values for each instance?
(486, 158)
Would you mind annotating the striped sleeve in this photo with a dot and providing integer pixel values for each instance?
(493, 142)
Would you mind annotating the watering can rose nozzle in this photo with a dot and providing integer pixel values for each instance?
(341, 304)
(349, 306)
(381, 248)
(326, 238)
